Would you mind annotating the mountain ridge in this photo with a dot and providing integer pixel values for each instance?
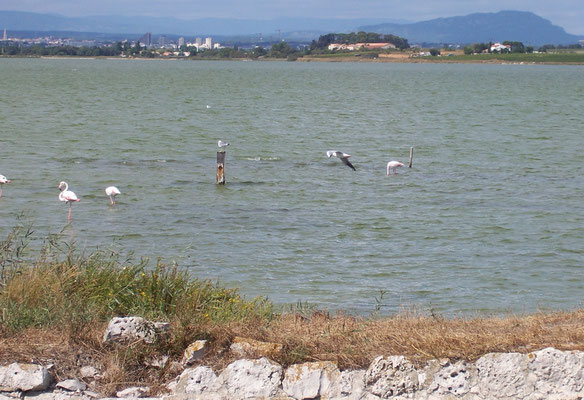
(520, 26)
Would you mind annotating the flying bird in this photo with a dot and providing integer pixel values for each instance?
(112, 192)
(393, 166)
(343, 156)
(67, 196)
(222, 144)
(3, 180)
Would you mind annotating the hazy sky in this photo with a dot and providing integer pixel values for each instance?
(569, 14)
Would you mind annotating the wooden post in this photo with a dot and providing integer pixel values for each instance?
(411, 155)
(221, 168)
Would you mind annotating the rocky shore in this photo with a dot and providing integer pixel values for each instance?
(542, 374)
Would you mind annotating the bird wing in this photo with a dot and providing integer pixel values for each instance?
(347, 163)
(331, 153)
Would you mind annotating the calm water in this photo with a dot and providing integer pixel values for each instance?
(490, 217)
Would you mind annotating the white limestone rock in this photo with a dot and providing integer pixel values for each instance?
(194, 352)
(195, 381)
(56, 396)
(132, 328)
(246, 379)
(24, 377)
(351, 385)
(392, 376)
(504, 375)
(89, 372)
(133, 392)
(451, 379)
(310, 380)
(72, 385)
(557, 372)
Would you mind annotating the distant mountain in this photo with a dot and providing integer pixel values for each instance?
(313, 27)
(517, 26)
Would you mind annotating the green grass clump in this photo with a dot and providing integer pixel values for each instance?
(64, 288)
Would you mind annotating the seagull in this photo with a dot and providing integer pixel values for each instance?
(67, 196)
(3, 180)
(112, 192)
(393, 166)
(222, 144)
(343, 156)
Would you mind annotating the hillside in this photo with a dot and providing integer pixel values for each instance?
(518, 26)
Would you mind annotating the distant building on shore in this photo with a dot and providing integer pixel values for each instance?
(360, 46)
(4, 36)
(146, 39)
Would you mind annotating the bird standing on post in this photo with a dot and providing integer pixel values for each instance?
(3, 180)
(112, 192)
(343, 156)
(222, 145)
(67, 196)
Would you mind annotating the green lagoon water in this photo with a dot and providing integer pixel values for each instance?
(490, 218)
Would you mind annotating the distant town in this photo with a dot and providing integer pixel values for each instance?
(333, 46)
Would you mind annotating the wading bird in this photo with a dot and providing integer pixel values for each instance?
(112, 192)
(343, 156)
(67, 196)
(393, 166)
(3, 180)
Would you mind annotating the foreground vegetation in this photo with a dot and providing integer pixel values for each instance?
(54, 309)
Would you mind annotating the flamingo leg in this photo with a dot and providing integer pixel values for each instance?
(112, 202)
(69, 215)
(0, 191)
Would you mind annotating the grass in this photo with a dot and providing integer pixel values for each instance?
(54, 309)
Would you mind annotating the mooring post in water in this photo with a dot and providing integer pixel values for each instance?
(221, 167)
(411, 156)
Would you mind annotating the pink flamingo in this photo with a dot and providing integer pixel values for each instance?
(3, 180)
(67, 196)
(112, 192)
(393, 166)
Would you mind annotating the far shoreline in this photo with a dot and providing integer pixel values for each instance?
(403, 58)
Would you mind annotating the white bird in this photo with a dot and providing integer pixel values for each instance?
(208, 106)
(343, 156)
(3, 180)
(67, 196)
(222, 144)
(112, 192)
(393, 166)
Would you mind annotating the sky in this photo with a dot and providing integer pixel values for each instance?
(569, 14)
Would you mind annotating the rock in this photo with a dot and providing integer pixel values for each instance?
(133, 392)
(245, 347)
(557, 372)
(351, 385)
(251, 378)
(24, 377)
(72, 385)
(391, 376)
(310, 380)
(56, 396)
(451, 379)
(195, 381)
(132, 328)
(504, 375)
(194, 352)
(89, 372)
